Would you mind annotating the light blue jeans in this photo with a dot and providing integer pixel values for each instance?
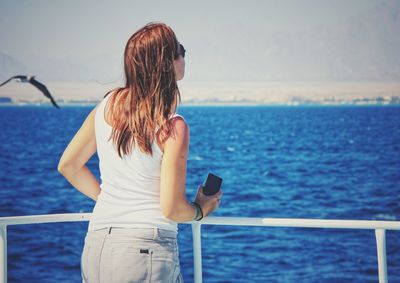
(116, 255)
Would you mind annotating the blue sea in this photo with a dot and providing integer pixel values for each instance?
(324, 162)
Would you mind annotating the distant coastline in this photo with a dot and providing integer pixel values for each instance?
(278, 93)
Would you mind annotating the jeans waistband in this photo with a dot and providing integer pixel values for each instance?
(147, 233)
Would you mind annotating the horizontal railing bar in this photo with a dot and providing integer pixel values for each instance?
(303, 223)
(212, 220)
(44, 218)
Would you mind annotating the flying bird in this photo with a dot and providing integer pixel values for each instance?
(38, 85)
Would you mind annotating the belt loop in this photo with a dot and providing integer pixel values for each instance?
(109, 230)
(155, 234)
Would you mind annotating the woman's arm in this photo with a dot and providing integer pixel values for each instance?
(72, 164)
(173, 200)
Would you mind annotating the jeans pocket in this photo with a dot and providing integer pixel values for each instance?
(130, 264)
(163, 266)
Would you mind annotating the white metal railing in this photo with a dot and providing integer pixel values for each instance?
(379, 226)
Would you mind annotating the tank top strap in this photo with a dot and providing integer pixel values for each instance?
(100, 113)
(105, 98)
(176, 115)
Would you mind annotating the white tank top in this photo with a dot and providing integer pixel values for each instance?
(130, 187)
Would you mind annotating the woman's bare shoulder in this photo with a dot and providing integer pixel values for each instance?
(178, 136)
(179, 126)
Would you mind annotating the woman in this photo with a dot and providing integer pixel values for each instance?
(142, 146)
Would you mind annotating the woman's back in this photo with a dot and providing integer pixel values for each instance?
(130, 195)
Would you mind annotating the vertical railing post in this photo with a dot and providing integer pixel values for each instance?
(381, 248)
(196, 233)
(3, 253)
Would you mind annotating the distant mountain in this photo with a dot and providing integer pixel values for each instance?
(10, 66)
(358, 47)
(364, 46)
(104, 68)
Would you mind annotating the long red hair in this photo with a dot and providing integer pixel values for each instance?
(150, 95)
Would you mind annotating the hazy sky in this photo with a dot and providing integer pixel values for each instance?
(225, 40)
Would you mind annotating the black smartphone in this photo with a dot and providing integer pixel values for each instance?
(212, 185)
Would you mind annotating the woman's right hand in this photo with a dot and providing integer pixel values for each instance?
(207, 203)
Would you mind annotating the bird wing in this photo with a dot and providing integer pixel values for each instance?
(14, 77)
(43, 89)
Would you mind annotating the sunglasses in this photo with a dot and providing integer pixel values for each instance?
(181, 51)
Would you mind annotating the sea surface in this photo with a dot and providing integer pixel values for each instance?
(329, 162)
